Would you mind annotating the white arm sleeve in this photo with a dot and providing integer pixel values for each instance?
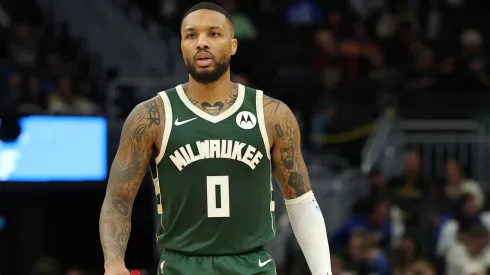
(309, 228)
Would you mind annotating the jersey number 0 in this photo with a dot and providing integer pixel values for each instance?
(223, 183)
(212, 183)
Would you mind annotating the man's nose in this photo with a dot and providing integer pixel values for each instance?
(202, 42)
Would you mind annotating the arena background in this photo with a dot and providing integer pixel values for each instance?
(381, 88)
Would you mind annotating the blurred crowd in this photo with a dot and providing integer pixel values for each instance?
(416, 225)
(336, 63)
(43, 70)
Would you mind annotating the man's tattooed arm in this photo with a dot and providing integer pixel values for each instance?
(288, 164)
(140, 133)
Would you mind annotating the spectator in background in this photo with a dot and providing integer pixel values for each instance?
(375, 257)
(243, 25)
(23, 46)
(466, 214)
(379, 219)
(398, 21)
(328, 51)
(335, 23)
(360, 52)
(378, 190)
(473, 60)
(421, 268)
(364, 256)
(338, 267)
(354, 258)
(32, 99)
(409, 189)
(471, 255)
(421, 74)
(406, 255)
(445, 196)
(65, 101)
(377, 183)
(456, 185)
(385, 26)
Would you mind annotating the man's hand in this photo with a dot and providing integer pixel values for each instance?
(116, 268)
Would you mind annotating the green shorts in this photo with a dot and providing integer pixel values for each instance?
(253, 263)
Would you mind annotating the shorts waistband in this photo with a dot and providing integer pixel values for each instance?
(193, 254)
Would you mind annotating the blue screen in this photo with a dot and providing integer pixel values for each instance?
(52, 148)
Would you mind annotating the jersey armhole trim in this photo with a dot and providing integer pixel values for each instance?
(261, 121)
(168, 125)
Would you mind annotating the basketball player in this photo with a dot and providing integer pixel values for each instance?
(211, 143)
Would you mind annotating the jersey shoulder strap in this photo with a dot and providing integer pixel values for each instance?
(254, 102)
(165, 96)
(171, 93)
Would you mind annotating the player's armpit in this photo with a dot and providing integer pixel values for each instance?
(288, 164)
(140, 133)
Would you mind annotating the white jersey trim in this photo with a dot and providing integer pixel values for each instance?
(213, 119)
(261, 121)
(263, 131)
(168, 125)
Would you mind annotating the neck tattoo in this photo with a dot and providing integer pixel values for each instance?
(214, 109)
(217, 107)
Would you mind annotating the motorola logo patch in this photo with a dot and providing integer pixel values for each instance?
(246, 120)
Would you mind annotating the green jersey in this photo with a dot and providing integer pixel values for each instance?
(213, 177)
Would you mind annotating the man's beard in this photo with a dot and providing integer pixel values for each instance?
(208, 76)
